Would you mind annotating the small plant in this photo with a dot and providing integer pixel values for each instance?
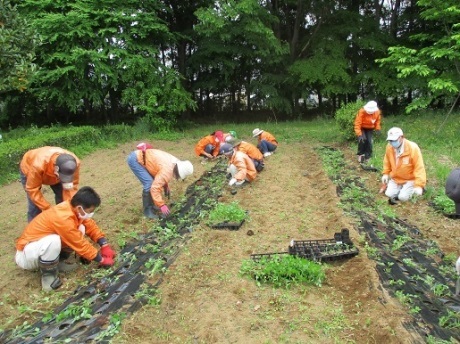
(149, 294)
(399, 242)
(113, 328)
(405, 299)
(396, 282)
(440, 289)
(444, 203)
(76, 311)
(231, 212)
(381, 235)
(450, 320)
(372, 252)
(282, 271)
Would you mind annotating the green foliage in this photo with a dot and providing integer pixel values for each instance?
(80, 140)
(76, 311)
(115, 321)
(17, 49)
(430, 66)
(450, 320)
(231, 212)
(283, 271)
(345, 118)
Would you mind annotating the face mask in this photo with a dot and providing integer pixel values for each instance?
(67, 186)
(86, 216)
(395, 144)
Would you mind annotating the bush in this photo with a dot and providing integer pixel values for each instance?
(345, 118)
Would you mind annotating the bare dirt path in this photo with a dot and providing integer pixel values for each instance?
(203, 297)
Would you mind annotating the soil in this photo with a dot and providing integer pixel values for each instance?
(204, 299)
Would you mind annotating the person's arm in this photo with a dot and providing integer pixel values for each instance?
(33, 188)
(377, 121)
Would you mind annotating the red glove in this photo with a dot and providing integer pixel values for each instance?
(106, 262)
(165, 210)
(106, 251)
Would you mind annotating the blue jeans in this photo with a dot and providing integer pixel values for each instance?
(140, 171)
(32, 209)
(265, 146)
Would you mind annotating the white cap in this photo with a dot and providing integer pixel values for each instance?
(394, 134)
(256, 132)
(184, 168)
(371, 107)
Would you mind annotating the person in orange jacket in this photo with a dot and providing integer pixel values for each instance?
(403, 168)
(208, 147)
(55, 233)
(240, 167)
(53, 166)
(266, 142)
(366, 121)
(251, 151)
(155, 169)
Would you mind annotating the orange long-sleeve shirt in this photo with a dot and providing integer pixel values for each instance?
(62, 219)
(363, 120)
(38, 167)
(408, 166)
(201, 145)
(267, 137)
(160, 165)
(244, 165)
(252, 151)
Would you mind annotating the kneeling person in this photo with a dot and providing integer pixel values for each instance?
(240, 166)
(60, 230)
(251, 151)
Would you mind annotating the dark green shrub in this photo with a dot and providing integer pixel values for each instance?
(345, 118)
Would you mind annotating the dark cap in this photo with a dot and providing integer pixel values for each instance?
(67, 165)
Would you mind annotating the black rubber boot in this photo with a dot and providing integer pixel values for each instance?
(148, 206)
(49, 270)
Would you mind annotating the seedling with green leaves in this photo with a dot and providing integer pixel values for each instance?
(227, 212)
(283, 271)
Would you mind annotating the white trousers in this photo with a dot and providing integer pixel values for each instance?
(47, 249)
(403, 191)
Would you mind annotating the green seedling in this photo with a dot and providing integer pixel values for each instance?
(231, 212)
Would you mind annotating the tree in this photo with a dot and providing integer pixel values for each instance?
(17, 44)
(432, 63)
(235, 52)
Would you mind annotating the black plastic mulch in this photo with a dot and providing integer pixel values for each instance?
(410, 266)
(118, 292)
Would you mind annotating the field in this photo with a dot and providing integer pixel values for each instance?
(202, 297)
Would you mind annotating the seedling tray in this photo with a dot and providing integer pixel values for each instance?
(234, 226)
(322, 251)
(258, 256)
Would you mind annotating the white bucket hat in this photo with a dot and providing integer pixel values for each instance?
(184, 168)
(371, 107)
(256, 132)
(394, 134)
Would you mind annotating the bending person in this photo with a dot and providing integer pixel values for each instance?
(155, 169)
(240, 166)
(51, 166)
(266, 142)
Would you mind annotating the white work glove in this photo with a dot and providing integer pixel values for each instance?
(232, 181)
(418, 191)
(457, 266)
(385, 179)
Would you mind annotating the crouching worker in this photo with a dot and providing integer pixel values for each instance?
(208, 147)
(54, 234)
(240, 167)
(155, 169)
(251, 151)
(403, 168)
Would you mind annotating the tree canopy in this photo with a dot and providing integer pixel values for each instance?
(82, 61)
